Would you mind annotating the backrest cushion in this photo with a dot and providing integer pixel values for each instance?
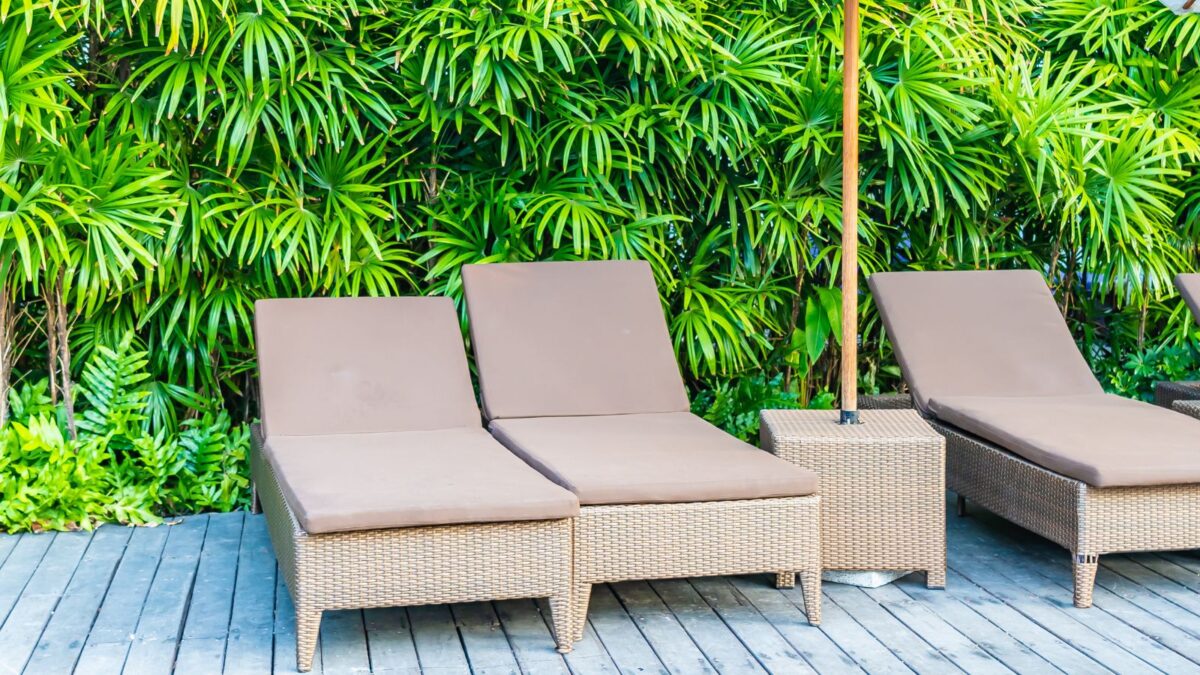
(362, 365)
(986, 333)
(1189, 288)
(571, 338)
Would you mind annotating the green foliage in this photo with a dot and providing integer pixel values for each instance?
(120, 468)
(734, 405)
(175, 161)
(1135, 377)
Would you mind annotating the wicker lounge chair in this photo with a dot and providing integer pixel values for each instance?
(379, 484)
(578, 377)
(1030, 434)
(1167, 394)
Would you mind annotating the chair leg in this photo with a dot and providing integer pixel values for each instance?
(579, 608)
(1085, 578)
(255, 505)
(810, 586)
(962, 506)
(562, 619)
(935, 578)
(308, 626)
(785, 580)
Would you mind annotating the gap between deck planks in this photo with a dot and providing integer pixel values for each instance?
(204, 596)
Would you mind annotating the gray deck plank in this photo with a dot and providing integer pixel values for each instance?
(670, 642)
(955, 607)
(936, 631)
(344, 643)
(750, 627)
(250, 648)
(908, 646)
(389, 640)
(23, 627)
(1169, 569)
(20, 566)
(7, 543)
(720, 646)
(780, 610)
(1044, 642)
(530, 634)
(205, 596)
(61, 642)
(1159, 585)
(212, 595)
(439, 647)
(1026, 564)
(1147, 613)
(1052, 612)
(116, 622)
(1180, 567)
(488, 651)
(621, 637)
(200, 656)
(161, 624)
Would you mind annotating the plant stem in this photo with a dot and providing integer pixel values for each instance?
(64, 354)
(51, 341)
(8, 320)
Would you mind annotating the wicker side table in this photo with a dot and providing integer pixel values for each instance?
(883, 486)
(1167, 393)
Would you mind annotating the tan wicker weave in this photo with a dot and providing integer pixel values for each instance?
(883, 486)
(1191, 408)
(1167, 393)
(413, 566)
(661, 541)
(1087, 521)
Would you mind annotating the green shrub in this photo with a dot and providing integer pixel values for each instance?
(165, 164)
(735, 405)
(119, 468)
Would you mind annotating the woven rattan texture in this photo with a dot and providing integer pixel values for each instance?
(882, 486)
(413, 566)
(1191, 408)
(1088, 521)
(885, 402)
(659, 541)
(1167, 393)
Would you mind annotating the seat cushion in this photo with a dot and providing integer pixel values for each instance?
(650, 459)
(357, 365)
(1102, 440)
(986, 333)
(1189, 288)
(571, 338)
(338, 483)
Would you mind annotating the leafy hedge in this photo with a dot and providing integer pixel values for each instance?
(163, 165)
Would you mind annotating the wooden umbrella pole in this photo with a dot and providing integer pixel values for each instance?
(850, 218)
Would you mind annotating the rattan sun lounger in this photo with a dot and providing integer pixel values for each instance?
(1030, 434)
(1167, 393)
(578, 377)
(379, 484)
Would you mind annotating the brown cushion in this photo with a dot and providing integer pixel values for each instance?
(993, 333)
(336, 483)
(1102, 440)
(650, 458)
(1189, 288)
(356, 365)
(571, 338)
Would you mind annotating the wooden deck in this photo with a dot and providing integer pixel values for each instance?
(202, 596)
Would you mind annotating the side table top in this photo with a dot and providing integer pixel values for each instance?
(876, 424)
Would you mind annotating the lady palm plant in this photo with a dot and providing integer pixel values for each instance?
(166, 164)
